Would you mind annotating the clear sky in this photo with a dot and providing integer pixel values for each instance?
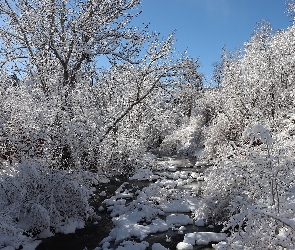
(205, 26)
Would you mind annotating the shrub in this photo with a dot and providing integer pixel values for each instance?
(34, 199)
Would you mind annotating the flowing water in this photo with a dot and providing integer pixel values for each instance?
(93, 233)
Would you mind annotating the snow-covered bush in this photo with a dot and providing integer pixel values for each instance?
(185, 140)
(34, 199)
(221, 137)
(250, 193)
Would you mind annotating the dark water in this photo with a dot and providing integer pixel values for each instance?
(94, 232)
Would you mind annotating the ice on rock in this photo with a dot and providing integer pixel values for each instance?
(195, 175)
(106, 245)
(168, 239)
(199, 164)
(188, 165)
(125, 195)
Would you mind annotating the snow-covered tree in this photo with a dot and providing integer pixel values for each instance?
(60, 41)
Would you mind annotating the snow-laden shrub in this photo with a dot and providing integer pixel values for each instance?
(221, 136)
(186, 140)
(222, 183)
(259, 226)
(250, 193)
(120, 154)
(34, 199)
(10, 233)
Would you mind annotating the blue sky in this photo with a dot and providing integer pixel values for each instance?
(205, 26)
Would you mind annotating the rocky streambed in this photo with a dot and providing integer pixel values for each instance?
(151, 210)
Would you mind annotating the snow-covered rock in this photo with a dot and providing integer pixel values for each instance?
(200, 222)
(172, 168)
(143, 174)
(184, 205)
(203, 238)
(184, 246)
(178, 219)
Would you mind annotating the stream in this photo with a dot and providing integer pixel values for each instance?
(93, 233)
